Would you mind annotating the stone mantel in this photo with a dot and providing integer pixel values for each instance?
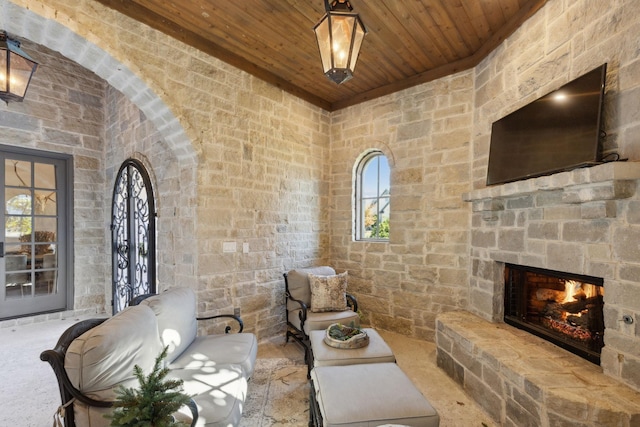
(601, 183)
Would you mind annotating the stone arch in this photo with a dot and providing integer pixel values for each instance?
(22, 22)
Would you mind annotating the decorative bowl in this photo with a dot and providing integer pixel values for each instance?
(342, 336)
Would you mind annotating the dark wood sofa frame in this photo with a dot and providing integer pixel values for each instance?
(68, 393)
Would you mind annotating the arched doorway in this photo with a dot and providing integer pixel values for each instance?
(133, 234)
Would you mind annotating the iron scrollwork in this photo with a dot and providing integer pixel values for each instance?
(133, 235)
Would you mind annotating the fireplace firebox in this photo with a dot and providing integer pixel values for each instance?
(563, 308)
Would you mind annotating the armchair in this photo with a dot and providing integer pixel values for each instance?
(301, 319)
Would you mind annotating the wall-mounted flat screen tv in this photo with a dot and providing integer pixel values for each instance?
(558, 132)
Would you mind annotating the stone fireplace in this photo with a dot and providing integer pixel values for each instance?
(585, 223)
(563, 308)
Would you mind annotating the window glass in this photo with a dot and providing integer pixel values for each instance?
(373, 186)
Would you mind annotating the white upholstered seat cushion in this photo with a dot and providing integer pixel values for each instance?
(318, 321)
(370, 395)
(219, 392)
(217, 350)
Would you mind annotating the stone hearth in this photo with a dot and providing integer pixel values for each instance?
(585, 221)
(522, 380)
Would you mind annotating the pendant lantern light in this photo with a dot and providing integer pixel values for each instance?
(16, 69)
(339, 34)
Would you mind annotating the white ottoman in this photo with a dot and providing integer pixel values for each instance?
(369, 394)
(377, 351)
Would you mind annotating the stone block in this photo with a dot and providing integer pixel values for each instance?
(557, 420)
(507, 219)
(569, 403)
(408, 176)
(511, 240)
(524, 202)
(466, 358)
(626, 243)
(598, 210)
(413, 130)
(610, 190)
(445, 362)
(391, 323)
(543, 230)
(586, 231)
(631, 371)
(484, 238)
(13, 120)
(565, 257)
(633, 213)
(630, 272)
(548, 198)
(520, 416)
(488, 205)
(484, 396)
(560, 213)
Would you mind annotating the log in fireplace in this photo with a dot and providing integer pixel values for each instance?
(563, 308)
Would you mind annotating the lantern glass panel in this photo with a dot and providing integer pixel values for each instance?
(357, 42)
(3, 70)
(21, 69)
(342, 28)
(324, 43)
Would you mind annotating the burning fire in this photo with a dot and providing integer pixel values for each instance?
(575, 290)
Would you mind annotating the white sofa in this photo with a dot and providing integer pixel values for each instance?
(97, 356)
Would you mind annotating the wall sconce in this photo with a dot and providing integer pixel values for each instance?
(339, 33)
(16, 69)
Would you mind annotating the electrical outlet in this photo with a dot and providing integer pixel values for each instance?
(245, 248)
(228, 246)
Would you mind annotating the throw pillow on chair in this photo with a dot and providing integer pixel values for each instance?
(328, 293)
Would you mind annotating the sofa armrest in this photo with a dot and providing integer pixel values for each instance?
(56, 356)
(227, 329)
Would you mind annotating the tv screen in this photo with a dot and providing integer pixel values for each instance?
(558, 132)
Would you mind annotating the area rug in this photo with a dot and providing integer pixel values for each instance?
(278, 394)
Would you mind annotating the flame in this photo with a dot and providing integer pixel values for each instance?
(571, 287)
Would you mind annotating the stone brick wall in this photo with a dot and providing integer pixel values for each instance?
(129, 134)
(584, 221)
(425, 132)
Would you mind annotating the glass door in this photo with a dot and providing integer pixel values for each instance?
(31, 251)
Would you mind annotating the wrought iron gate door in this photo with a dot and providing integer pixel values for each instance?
(133, 234)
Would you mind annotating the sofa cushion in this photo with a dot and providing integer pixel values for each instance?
(370, 394)
(298, 284)
(175, 310)
(318, 321)
(213, 350)
(103, 357)
(219, 392)
(328, 293)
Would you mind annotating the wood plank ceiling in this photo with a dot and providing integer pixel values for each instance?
(409, 42)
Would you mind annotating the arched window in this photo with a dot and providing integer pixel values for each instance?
(373, 185)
